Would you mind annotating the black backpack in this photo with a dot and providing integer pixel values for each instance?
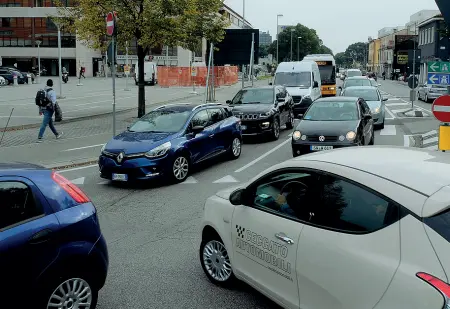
(41, 97)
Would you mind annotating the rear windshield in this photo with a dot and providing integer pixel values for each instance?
(354, 73)
(440, 223)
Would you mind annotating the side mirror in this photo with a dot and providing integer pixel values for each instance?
(367, 117)
(270, 84)
(316, 85)
(197, 129)
(228, 101)
(238, 197)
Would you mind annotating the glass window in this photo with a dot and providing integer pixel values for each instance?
(332, 111)
(291, 193)
(293, 79)
(366, 94)
(17, 204)
(348, 207)
(200, 119)
(354, 73)
(356, 82)
(216, 115)
(254, 96)
(161, 121)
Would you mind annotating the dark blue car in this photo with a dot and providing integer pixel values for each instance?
(52, 252)
(169, 140)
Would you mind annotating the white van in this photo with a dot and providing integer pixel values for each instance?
(150, 73)
(302, 81)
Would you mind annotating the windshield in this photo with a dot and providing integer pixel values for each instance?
(332, 111)
(357, 82)
(366, 94)
(166, 121)
(327, 74)
(353, 73)
(293, 79)
(254, 96)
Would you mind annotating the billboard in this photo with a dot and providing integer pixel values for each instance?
(235, 48)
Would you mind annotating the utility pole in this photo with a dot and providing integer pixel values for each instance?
(414, 66)
(298, 48)
(278, 17)
(292, 56)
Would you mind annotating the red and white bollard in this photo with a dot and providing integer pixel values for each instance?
(15, 80)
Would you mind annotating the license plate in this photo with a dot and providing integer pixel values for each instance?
(318, 148)
(119, 177)
(244, 128)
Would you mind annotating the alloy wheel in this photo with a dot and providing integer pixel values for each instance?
(73, 293)
(276, 129)
(180, 168)
(216, 261)
(236, 147)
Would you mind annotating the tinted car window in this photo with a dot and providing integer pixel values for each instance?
(332, 111)
(17, 204)
(354, 73)
(348, 207)
(289, 193)
(366, 94)
(161, 121)
(293, 79)
(357, 82)
(200, 119)
(216, 115)
(254, 96)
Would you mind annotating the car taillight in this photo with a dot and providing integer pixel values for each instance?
(70, 188)
(441, 286)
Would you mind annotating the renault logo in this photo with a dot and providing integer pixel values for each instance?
(120, 157)
(322, 138)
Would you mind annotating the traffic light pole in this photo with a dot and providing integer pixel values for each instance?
(113, 71)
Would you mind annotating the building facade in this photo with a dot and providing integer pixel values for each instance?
(26, 34)
(374, 56)
(265, 39)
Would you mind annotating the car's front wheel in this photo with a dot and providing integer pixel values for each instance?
(180, 168)
(235, 148)
(275, 129)
(216, 262)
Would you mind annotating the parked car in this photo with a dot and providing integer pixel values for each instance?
(3, 81)
(167, 142)
(429, 93)
(309, 232)
(9, 73)
(263, 110)
(51, 246)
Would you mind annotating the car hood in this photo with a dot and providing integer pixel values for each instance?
(225, 193)
(297, 91)
(251, 108)
(329, 128)
(137, 142)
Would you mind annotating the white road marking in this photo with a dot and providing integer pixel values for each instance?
(390, 113)
(85, 147)
(406, 140)
(394, 104)
(394, 99)
(189, 180)
(103, 182)
(226, 179)
(262, 156)
(389, 130)
(78, 181)
(431, 140)
(432, 132)
(78, 168)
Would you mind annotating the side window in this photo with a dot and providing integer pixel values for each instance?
(200, 119)
(290, 193)
(17, 203)
(237, 97)
(216, 115)
(362, 110)
(366, 107)
(348, 207)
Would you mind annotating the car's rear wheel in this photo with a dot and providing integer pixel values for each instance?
(180, 169)
(235, 148)
(275, 129)
(290, 123)
(216, 262)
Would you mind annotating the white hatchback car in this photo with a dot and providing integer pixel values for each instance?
(2, 81)
(354, 228)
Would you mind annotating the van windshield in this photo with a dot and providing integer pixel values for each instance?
(293, 79)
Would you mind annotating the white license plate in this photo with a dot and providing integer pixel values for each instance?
(119, 177)
(244, 128)
(318, 148)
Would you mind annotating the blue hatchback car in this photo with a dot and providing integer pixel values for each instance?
(169, 140)
(52, 252)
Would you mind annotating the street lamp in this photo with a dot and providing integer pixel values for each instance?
(38, 42)
(292, 56)
(298, 48)
(278, 17)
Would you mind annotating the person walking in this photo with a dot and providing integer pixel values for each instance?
(47, 112)
(82, 72)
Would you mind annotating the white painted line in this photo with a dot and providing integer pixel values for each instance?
(394, 99)
(262, 156)
(390, 113)
(401, 110)
(441, 108)
(103, 182)
(389, 130)
(189, 180)
(226, 179)
(406, 140)
(431, 140)
(432, 132)
(78, 181)
(78, 168)
(395, 104)
(85, 147)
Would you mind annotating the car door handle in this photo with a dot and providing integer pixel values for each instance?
(41, 236)
(283, 237)
(211, 136)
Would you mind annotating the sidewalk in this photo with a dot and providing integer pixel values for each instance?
(82, 139)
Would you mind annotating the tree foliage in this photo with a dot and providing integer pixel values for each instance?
(357, 51)
(151, 23)
(342, 60)
(309, 43)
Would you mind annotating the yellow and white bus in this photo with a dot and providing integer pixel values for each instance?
(327, 67)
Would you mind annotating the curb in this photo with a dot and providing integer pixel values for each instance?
(65, 166)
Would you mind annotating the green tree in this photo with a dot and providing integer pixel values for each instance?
(263, 51)
(152, 23)
(325, 50)
(357, 52)
(342, 60)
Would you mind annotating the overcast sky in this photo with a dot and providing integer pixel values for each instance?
(338, 23)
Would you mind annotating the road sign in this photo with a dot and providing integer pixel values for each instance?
(439, 67)
(413, 82)
(441, 108)
(110, 24)
(438, 79)
(193, 71)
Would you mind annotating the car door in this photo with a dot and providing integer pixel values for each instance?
(200, 144)
(222, 134)
(350, 250)
(265, 232)
(367, 124)
(28, 244)
(281, 105)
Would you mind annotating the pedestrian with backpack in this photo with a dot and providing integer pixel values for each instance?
(46, 101)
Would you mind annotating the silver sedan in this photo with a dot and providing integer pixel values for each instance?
(373, 98)
(429, 93)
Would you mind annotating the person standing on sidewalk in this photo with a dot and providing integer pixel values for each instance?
(48, 111)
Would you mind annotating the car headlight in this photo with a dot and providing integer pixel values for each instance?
(296, 135)
(103, 148)
(268, 114)
(306, 97)
(332, 88)
(159, 151)
(350, 136)
(376, 110)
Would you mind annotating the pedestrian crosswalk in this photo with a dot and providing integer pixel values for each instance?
(430, 140)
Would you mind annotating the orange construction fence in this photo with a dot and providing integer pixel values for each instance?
(183, 76)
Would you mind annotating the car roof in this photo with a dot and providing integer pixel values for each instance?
(183, 107)
(336, 99)
(423, 171)
(362, 87)
(350, 70)
(263, 87)
(357, 77)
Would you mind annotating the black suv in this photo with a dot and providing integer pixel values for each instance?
(263, 110)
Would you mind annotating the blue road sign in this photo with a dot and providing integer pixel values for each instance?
(439, 78)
